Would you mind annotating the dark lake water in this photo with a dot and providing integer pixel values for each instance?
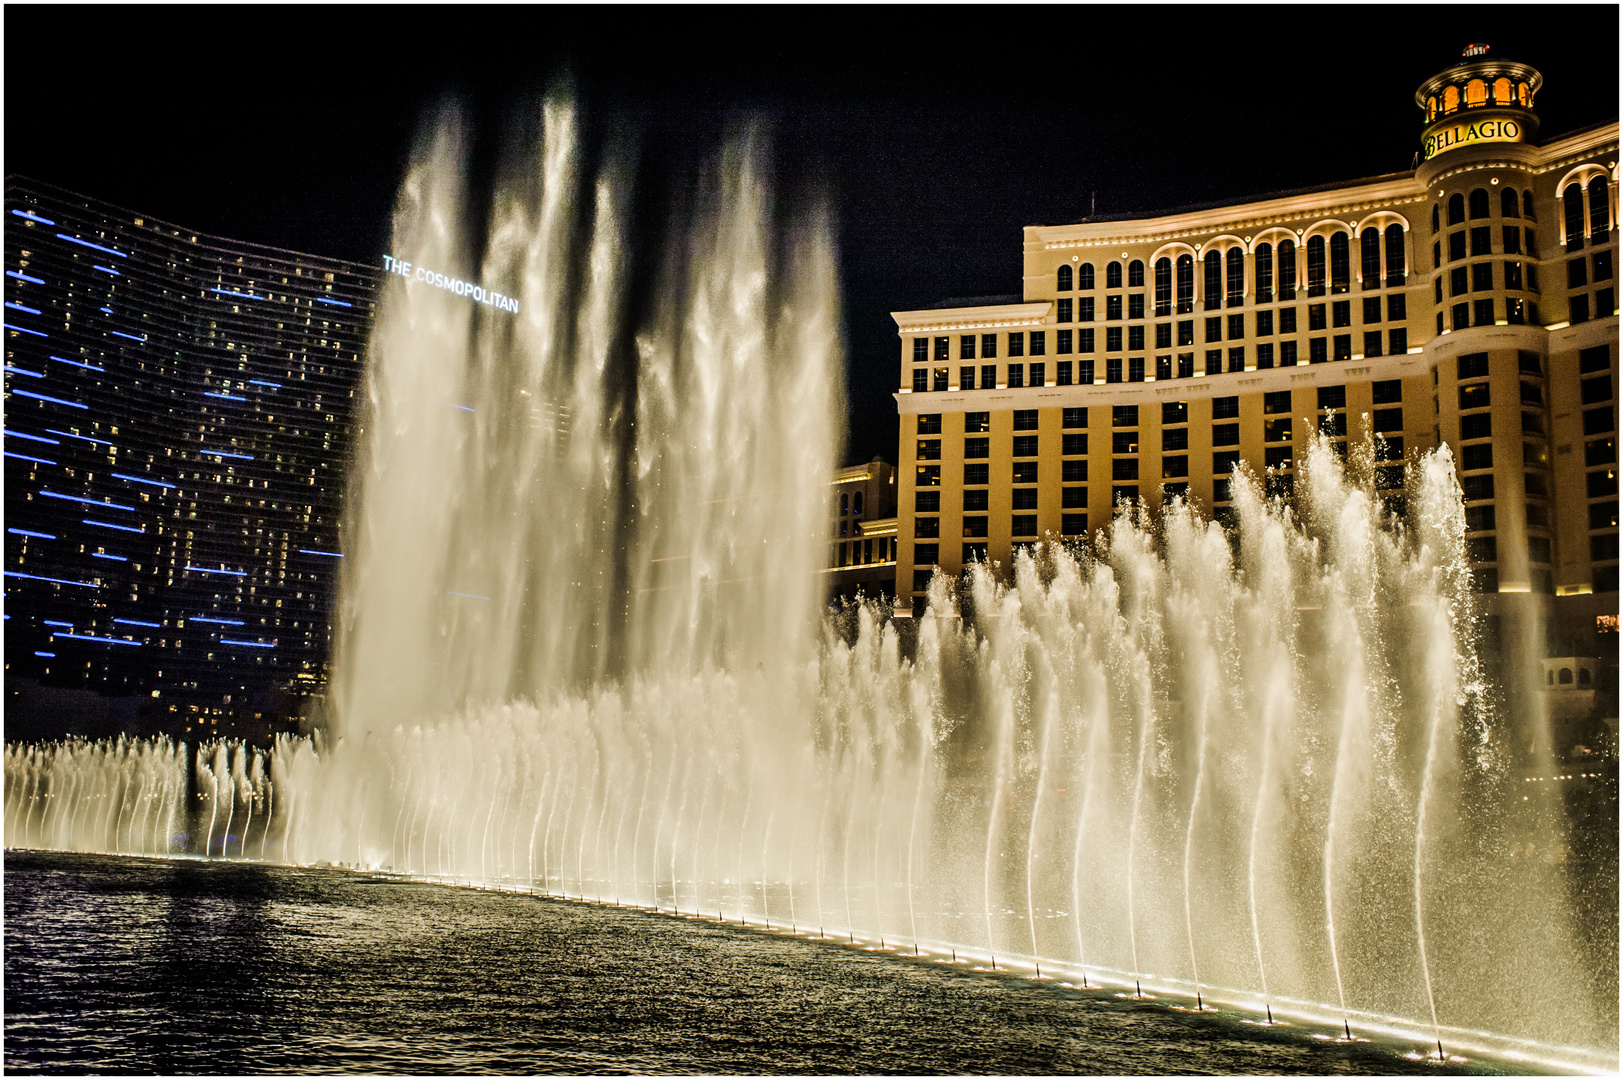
(119, 965)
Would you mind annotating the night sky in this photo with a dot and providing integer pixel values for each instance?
(290, 126)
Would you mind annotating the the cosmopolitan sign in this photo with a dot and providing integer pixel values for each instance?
(1484, 131)
(477, 293)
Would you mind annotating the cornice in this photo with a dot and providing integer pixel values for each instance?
(973, 318)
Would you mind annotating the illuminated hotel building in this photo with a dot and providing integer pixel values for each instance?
(177, 413)
(1471, 301)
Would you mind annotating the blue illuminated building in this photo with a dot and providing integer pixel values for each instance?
(177, 421)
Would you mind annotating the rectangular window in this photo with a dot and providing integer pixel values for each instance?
(974, 553)
(977, 422)
(1112, 308)
(966, 378)
(1287, 320)
(927, 502)
(1214, 361)
(1173, 439)
(925, 555)
(1039, 374)
(927, 527)
(1017, 376)
(1025, 472)
(1277, 457)
(1025, 446)
(1074, 417)
(1265, 323)
(1163, 335)
(1482, 240)
(1476, 456)
(1113, 339)
(928, 476)
(1223, 461)
(1477, 488)
(1602, 548)
(1062, 312)
(1124, 468)
(1237, 358)
(1476, 426)
(1597, 421)
(1372, 309)
(1462, 316)
(1135, 369)
(921, 380)
(1224, 408)
(1577, 309)
(1075, 498)
(1124, 416)
(1135, 306)
(975, 526)
(1236, 327)
(1458, 284)
(1483, 311)
(1073, 444)
(1603, 266)
(1513, 240)
(1085, 309)
(974, 500)
(1577, 277)
(1025, 419)
(1174, 467)
(1276, 401)
(1074, 472)
(1024, 499)
(1062, 342)
(1332, 397)
(1482, 277)
(1225, 434)
(1084, 372)
(1038, 337)
(1124, 442)
(1397, 307)
(1073, 524)
(1315, 316)
(928, 450)
(1085, 341)
(929, 423)
(939, 380)
(988, 346)
(1062, 373)
(1124, 493)
(1287, 354)
(1163, 367)
(976, 473)
(977, 448)
(1593, 390)
(1343, 347)
(1456, 246)
(921, 350)
(1113, 369)
(1397, 340)
(1277, 430)
(966, 347)
(1341, 313)
(1316, 351)
(1017, 344)
(1023, 525)
(1605, 303)
(1214, 328)
(1603, 515)
(1388, 419)
(1372, 343)
(1186, 365)
(1595, 358)
(1186, 332)
(988, 376)
(942, 347)
(1174, 412)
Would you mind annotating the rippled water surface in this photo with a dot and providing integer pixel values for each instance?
(147, 966)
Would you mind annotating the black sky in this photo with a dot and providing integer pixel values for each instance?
(938, 131)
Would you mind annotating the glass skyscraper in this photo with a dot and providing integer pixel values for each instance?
(178, 413)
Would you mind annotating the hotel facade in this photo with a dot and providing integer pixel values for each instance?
(178, 410)
(1470, 302)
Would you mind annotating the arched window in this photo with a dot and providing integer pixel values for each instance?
(1599, 216)
(1084, 276)
(1431, 108)
(1063, 278)
(1369, 257)
(1264, 270)
(1456, 209)
(1572, 201)
(845, 503)
(1214, 280)
(1479, 203)
(1521, 94)
(1451, 99)
(856, 502)
(1113, 276)
(1436, 220)
(1340, 263)
(1315, 266)
(1163, 286)
(1502, 92)
(1583, 677)
(1186, 284)
(1507, 203)
(1287, 270)
(1135, 274)
(1236, 276)
(1565, 677)
(1476, 93)
(1527, 206)
(1396, 268)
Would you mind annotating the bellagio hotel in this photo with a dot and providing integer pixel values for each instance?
(1469, 301)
